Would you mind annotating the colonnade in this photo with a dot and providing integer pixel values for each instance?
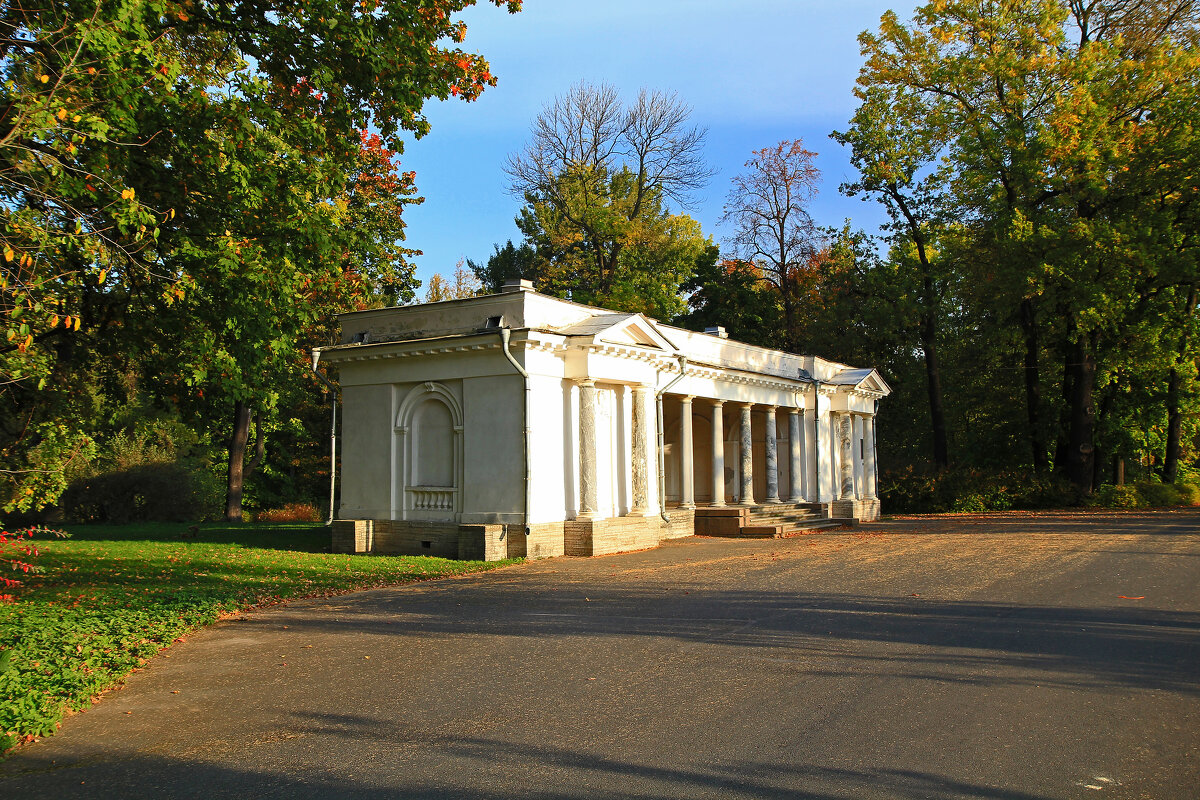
(849, 462)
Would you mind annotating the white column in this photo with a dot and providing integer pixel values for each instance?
(687, 493)
(746, 453)
(718, 453)
(588, 487)
(795, 456)
(845, 435)
(856, 448)
(772, 450)
(812, 474)
(871, 467)
(643, 428)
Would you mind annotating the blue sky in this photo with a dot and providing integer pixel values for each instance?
(754, 71)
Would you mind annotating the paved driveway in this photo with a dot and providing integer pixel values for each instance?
(987, 657)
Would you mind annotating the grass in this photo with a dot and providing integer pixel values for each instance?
(112, 596)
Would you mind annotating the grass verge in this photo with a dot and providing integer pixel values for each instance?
(112, 596)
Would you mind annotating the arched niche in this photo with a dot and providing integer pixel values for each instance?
(429, 455)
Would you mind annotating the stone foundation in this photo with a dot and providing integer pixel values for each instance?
(599, 537)
(495, 542)
(411, 538)
(860, 510)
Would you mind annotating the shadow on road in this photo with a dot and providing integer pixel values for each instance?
(967, 642)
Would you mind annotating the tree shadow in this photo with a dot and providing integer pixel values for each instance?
(986, 643)
(472, 768)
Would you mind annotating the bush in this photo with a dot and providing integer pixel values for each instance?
(971, 490)
(1109, 496)
(145, 493)
(292, 512)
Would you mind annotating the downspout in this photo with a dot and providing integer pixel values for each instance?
(316, 358)
(505, 333)
(662, 471)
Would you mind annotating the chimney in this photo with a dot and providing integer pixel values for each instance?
(717, 330)
(516, 285)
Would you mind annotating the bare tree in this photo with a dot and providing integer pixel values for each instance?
(768, 209)
(587, 139)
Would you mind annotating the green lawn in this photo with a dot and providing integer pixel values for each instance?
(112, 596)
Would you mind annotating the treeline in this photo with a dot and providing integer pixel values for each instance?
(1033, 298)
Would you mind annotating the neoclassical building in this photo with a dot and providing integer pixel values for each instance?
(518, 424)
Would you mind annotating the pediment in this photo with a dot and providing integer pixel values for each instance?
(867, 380)
(621, 330)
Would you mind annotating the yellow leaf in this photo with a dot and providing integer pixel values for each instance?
(101, 276)
(77, 323)
(44, 78)
(76, 118)
(8, 254)
(62, 113)
(53, 320)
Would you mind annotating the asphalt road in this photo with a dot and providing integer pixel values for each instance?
(990, 657)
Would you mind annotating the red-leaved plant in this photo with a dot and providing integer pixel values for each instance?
(17, 553)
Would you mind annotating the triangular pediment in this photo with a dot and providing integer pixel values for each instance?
(622, 330)
(867, 380)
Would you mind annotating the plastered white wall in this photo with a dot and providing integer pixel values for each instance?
(365, 450)
(493, 474)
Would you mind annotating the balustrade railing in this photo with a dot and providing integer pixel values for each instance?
(432, 498)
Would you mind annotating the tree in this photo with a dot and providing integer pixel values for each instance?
(895, 140)
(768, 208)
(597, 177)
(219, 194)
(504, 264)
(1055, 140)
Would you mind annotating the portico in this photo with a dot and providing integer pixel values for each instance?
(582, 431)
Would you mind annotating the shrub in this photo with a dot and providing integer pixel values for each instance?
(1109, 496)
(145, 493)
(292, 512)
(1154, 494)
(971, 490)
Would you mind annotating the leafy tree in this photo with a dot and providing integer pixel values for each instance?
(1050, 130)
(219, 195)
(504, 264)
(597, 177)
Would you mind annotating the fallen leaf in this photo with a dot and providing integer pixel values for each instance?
(1123, 597)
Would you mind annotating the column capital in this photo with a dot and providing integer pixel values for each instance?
(642, 388)
(687, 398)
(716, 403)
(585, 383)
(745, 405)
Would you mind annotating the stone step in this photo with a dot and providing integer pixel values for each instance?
(786, 531)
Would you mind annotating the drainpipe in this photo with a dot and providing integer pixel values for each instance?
(662, 473)
(505, 333)
(316, 358)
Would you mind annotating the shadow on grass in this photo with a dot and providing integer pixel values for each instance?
(305, 537)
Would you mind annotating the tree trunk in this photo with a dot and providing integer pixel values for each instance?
(933, 376)
(930, 305)
(237, 456)
(1033, 389)
(1100, 456)
(1118, 471)
(1174, 383)
(1082, 413)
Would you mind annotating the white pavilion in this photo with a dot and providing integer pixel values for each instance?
(518, 424)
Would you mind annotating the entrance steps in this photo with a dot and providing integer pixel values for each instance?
(774, 521)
